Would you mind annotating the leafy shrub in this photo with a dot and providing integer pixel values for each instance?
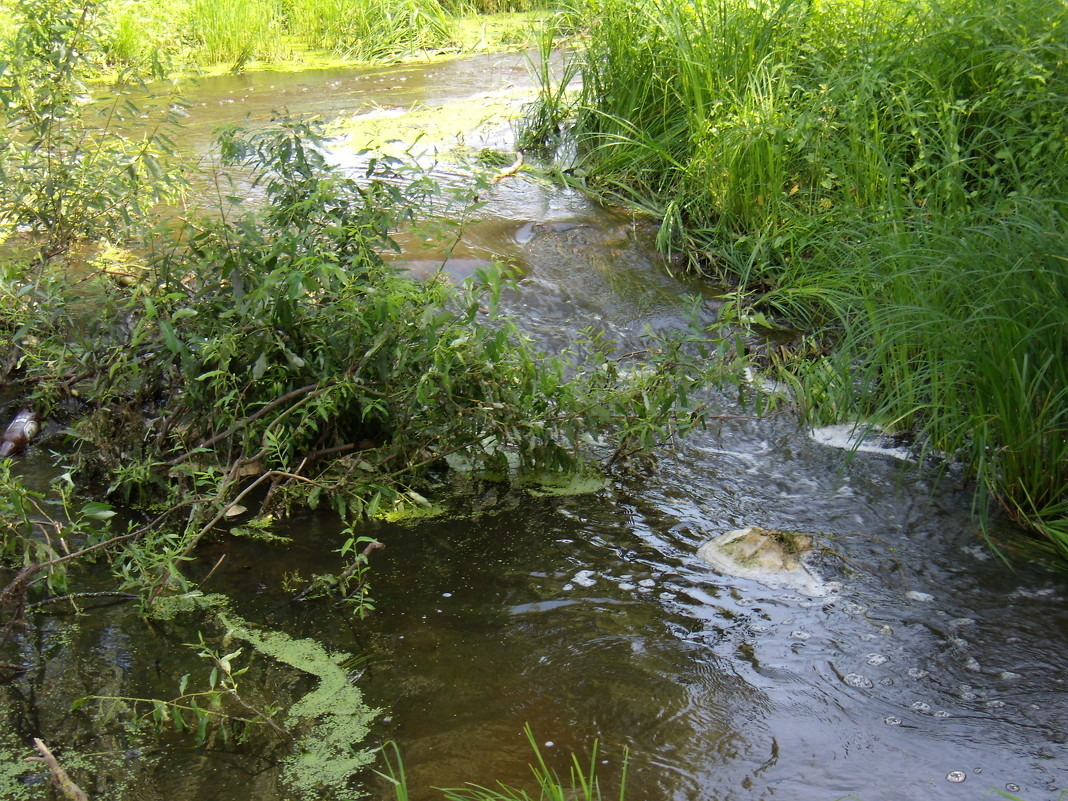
(72, 170)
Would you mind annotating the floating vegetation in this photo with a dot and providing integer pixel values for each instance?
(332, 718)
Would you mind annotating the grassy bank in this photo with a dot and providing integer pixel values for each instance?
(887, 177)
(196, 35)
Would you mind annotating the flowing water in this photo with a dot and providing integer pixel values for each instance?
(591, 616)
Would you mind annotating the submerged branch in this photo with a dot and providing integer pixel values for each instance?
(60, 779)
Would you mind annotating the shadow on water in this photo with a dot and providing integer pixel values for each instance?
(592, 617)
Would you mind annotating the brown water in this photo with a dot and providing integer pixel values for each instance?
(591, 616)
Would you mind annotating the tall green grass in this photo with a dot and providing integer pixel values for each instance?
(888, 172)
(206, 32)
(368, 29)
(235, 31)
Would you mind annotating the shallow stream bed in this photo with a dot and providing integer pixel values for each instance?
(929, 672)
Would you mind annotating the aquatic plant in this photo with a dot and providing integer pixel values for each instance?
(582, 784)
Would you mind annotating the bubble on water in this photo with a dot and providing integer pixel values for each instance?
(549, 743)
(1012, 787)
(876, 659)
(971, 663)
(941, 713)
(996, 704)
(584, 578)
(956, 776)
(668, 596)
(962, 621)
(568, 587)
(446, 595)
(886, 682)
(917, 673)
(1008, 675)
(647, 583)
(626, 586)
(800, 635)
(920, 706)
(856, 680)
(890, 720)
(919, 596)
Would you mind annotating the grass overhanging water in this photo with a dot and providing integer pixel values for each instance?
(887, 178)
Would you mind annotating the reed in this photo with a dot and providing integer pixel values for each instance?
(234, 32)
(369, 29)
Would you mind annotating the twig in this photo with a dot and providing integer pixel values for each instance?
(212, 571)
(60, 778)
(126, 596)
(242, 423)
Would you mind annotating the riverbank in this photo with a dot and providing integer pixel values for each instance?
(148, 39)
(884, 182)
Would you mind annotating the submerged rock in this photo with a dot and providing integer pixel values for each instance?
(774, 558)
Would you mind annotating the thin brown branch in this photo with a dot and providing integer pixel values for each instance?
(296, 393)
(125, 596)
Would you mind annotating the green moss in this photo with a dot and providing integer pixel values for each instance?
(445, 127)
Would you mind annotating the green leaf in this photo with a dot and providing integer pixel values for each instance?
(98, 511)
(260, 367)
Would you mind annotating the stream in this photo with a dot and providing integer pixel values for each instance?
(930, 671)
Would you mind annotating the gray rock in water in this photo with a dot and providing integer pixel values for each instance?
(773, 558)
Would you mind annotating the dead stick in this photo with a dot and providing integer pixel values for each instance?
(211, 572)
(60, 778)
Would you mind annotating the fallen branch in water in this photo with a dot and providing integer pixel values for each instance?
(60, 779)
(123, 596)
(509, 171)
